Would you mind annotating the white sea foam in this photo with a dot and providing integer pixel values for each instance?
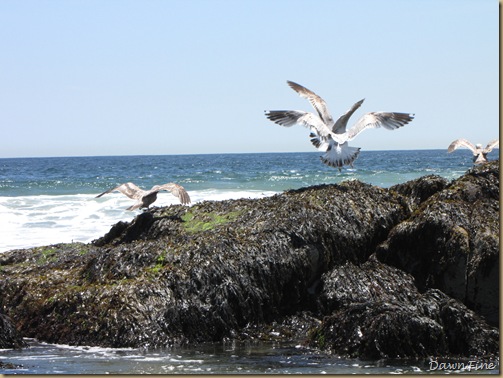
(30, 221)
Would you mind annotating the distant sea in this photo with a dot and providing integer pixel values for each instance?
(52, 200)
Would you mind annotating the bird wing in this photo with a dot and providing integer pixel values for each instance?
(340, 125)
(129, 189)
(175, 189)
(491, 145)
(318, 103)
(461, 143)
(322, 144)
(289, 118)
(388, 120)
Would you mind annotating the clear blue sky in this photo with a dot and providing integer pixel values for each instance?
(118, 77)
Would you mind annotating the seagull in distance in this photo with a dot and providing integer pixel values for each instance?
(331, 136)
(479, 153)
(144, 198)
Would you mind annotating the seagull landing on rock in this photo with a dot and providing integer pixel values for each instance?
(144, 198)
(479, 153)
(331, 136)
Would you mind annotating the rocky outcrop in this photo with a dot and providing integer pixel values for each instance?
(288, 266)
(451, 242)
(182, 274)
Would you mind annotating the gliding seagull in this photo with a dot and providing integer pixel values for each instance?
(144, 198)
(479, 153)
(332, 137)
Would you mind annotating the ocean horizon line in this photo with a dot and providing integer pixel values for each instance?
(212, 154)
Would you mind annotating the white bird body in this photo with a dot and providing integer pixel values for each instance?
(144, 198)
(332, 137)
(479, 153)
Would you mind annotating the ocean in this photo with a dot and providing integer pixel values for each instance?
(52, 200)
(46, 201)
(217, 358)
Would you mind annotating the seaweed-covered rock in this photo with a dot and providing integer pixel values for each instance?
(376, 330)
(372, 281)
(377, 312)
(10, 338)
(419, 190)
(200, 273)
(451, 242)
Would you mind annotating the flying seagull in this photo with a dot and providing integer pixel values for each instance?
(144, 198)
(479, 153)
(331, 136)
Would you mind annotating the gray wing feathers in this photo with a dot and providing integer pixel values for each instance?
(132, 191)
(129, 189)
(289, 118)
(461, 143)
(316, 101)
(491, 145)
(286, 118)
(340, 126)
(175, 189)
(388, 120)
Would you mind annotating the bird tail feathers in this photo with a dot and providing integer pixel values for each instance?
(339, 155)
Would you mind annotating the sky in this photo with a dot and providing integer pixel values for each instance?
(164, 77)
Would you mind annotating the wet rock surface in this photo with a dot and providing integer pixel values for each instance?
(323, 264)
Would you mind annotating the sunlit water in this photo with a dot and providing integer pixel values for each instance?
(215, 358)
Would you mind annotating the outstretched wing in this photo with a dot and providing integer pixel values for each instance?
(461, 143)
(129, 189)
(388, 120)
(340, 126)
(289, 118)
(175, 189)
(318, 103)
(491, 145)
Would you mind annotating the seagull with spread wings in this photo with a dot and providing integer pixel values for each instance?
(479, 153)
(331, 136)
(144, 198)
